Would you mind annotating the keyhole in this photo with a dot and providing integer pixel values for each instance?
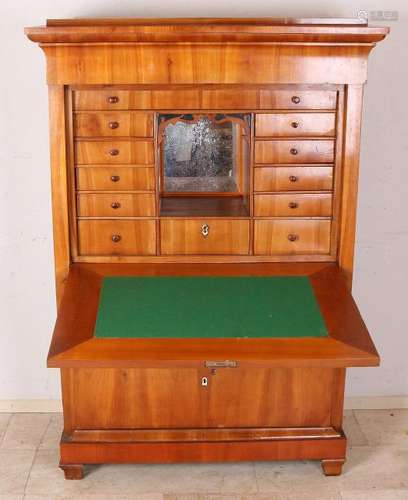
(204, 381)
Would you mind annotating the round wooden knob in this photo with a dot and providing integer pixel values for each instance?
(115, 178)
(116, 238)
(293, 204)
(293, 151)
(113, 99)
(114, 152)
(113, 125)
(115, 205)
(295, 124)
(293, 178)
(293, 237)
(295, 99)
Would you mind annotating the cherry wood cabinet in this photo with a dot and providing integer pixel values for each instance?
(282, 99)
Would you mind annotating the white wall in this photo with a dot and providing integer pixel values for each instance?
(27, 308)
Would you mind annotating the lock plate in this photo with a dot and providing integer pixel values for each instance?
(221, 364)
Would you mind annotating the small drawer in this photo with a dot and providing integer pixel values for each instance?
(93, 100)
(291, 237)
(114, 124)
(204, 236)
(295, 124)
(115, 178)
(114, 152)
(295, 205)
(298, 99)
(121, 237)
(227, 99)
(294, 151)
(116, 205)
(293, 178)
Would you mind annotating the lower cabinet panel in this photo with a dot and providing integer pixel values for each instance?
(204, 236)
(117, 237)
(292, 237)
(108, 398)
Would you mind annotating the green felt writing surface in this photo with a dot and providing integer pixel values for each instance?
(217, 307)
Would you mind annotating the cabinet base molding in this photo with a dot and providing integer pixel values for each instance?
(331, 451)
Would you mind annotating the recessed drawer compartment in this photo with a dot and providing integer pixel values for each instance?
(296, 205)
(293, 178)
(116, 152)
(114, 124)
(116, 205)
(294, 151)
(298, 99)
(119, 237)
(295, 124)
(292, 237)
(204, 236)
(115, 178)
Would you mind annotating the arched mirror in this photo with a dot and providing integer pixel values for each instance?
(204, 157)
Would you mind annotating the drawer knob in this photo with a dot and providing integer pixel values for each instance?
(115, 178)
(295, 99)
(113, 125)
(293, 204)
(114, 152)
(205, 230)
(113, 99)
(293, 237)
(295, 124)
(293, 151)
(115, 205)
(293, 178)
(116, 238)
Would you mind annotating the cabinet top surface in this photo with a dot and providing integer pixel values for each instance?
(329, 30)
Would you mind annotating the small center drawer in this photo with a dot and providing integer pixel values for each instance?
(321, 151)
(293, 178)
(204, 236)
(116, 204)
(115, 178)
(119, 124)
(295, 124)
(293, 205)
(292, 237)
(119, 237)
(114, 152)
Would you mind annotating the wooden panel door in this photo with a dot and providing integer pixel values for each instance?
(197, 397)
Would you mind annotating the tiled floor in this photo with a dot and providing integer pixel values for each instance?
(377, 468)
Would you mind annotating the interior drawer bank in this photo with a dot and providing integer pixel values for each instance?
(204, 236)
(117, 237)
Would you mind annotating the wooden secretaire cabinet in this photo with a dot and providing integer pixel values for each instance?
(216, 148)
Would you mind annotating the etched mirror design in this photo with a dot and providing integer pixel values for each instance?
(203, 153)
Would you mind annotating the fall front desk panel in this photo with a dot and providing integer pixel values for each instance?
(208, 307)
